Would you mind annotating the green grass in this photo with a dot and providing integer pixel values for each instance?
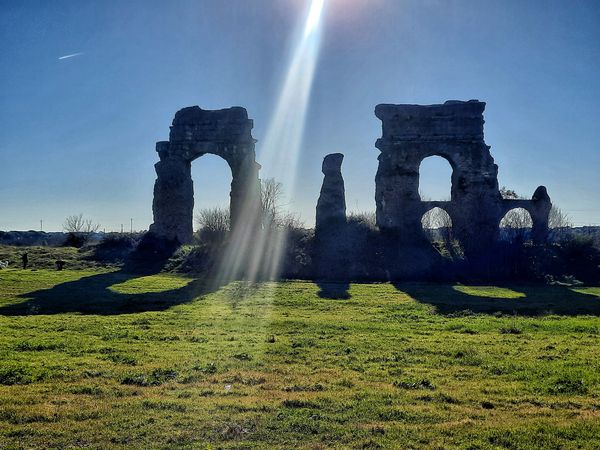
(44, 257)
(107, 359)
(489, 291)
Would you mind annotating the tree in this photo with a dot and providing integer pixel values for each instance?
(559, 224)
(436, 218)
(273, 214)
(437, 225)
(558, 219)
(79, 229)
(213, 223)
(271, 192)
(509, 194)
(516, 218)
(78, 224)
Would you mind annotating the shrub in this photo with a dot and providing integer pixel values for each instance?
(213, 224)
(80, 230)
(366, 219)
(580, 258)
(75, 240)
(115, 246)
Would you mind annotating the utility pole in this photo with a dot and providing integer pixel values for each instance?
(131, 231)
(121, 228)
(41, 225)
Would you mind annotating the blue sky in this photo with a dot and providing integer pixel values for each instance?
(78, 134)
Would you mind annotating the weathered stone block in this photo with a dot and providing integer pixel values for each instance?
(454, 120)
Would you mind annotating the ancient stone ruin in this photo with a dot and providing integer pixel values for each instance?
(453, 131)
(411, 133)
(196, 132)
(331, 206)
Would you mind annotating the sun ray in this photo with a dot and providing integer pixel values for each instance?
(252, 251)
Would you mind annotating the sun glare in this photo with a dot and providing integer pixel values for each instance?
(314, 16)
(259, 254)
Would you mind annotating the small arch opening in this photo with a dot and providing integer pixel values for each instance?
(212, 188)
(437, 227)
(516, 226)
(437, 224)
(435, 179)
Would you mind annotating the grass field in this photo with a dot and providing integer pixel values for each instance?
(100, 359)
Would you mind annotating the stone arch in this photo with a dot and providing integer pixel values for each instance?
(454, 131)
(436, 217)
(436, 157)
(436, 222)
(211, 177)
(196, 132)
(516, 225)
(538, 208)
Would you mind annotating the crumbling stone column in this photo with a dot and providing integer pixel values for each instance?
(331, 206)
(173, 203)
(331, 254)
(540, 212)
(245, 191)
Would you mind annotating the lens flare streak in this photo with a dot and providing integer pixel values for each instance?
(281, 148)
(255, 249)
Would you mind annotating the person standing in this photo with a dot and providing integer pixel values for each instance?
(25, 260)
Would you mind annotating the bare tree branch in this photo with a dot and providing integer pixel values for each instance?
(78, 224)
(213, 223)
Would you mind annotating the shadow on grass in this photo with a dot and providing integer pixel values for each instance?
(92, 295)
(334, 289)
(532, 300)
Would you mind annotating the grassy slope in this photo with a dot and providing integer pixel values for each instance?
(44, 257)
(109, 360)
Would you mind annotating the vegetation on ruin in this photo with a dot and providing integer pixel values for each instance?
(101, 358)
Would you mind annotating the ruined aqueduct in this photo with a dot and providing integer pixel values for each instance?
(411, 133)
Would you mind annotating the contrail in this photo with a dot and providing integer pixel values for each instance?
(70, 56)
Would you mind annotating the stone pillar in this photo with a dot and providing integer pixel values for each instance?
(245, 192)
(540, 211)
(173, 203)
(331, 206)
(397, 198)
